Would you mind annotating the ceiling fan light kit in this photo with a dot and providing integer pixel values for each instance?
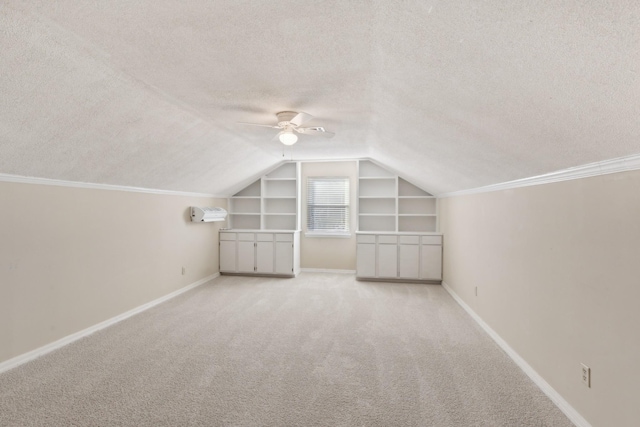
(287, 137)
(289, 123)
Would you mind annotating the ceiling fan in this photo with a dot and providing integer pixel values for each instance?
(290, 123)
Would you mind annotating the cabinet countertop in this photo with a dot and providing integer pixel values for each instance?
(237, 230)
(402, 233)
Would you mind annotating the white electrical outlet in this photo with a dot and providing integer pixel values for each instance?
(184, 270)
(586, 375)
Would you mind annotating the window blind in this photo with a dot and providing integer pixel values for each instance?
(328, 205)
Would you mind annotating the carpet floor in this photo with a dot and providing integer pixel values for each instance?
(317, 350)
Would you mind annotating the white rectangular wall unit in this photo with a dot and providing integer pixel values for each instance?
(260, 252)
(399, 256)
(388, 203)
(270, 203)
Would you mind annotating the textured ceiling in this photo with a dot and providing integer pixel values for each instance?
(453, 95)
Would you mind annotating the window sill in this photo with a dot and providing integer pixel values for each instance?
(330, 235)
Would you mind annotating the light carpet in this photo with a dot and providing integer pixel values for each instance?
(317, 350)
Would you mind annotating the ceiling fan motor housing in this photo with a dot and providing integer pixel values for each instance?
(284, 117)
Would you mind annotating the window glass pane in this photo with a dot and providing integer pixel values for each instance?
(328, 204)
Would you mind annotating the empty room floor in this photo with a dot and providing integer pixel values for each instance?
(317, 350)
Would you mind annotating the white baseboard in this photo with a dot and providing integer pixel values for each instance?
(546, 388)
(326, 270)
(26, 357)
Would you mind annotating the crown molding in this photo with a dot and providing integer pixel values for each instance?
(95, 186)
(620, 164)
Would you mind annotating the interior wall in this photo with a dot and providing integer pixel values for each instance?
(71, 258)
(557, 270)
(335, 253)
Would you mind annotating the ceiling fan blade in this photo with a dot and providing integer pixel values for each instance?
(301, 118)
(256, 124)
(316, 131)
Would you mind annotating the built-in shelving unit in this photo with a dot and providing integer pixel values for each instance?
(270, 203)
(388, 203)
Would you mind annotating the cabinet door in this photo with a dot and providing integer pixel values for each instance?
(228, 255)
(431, 262)
(387, 260)
(264, 257)
(366, 260)
(246, 257)
(409, 261)
(284, 257)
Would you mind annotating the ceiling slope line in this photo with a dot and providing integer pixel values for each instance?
(605, 167)
(95, 186)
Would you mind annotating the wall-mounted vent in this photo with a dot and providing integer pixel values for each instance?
(207, 214)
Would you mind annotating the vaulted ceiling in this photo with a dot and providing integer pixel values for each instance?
(450, 94)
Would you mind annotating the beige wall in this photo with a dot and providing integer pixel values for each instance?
(327, 252)
(557, 268)
(71, 258)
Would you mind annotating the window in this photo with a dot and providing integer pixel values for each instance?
(328, 206)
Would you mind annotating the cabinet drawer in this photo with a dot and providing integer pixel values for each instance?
(366, 238)
(284, 237)
(227, 236)
(387, 239)
(431, 240)
(261, 237)
(410, 240)
(246, 237)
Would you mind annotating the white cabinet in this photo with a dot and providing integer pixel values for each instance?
(431, 258)
(248, 252)
(284, 256)
(264, 253)
(246, 257)
(366, 256)
(392, 256)
(388, 256)
(227, 254)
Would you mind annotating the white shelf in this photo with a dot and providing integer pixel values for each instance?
(388, 203)
(270, 203)
(378, 197)
(377, 177)
(278, 197)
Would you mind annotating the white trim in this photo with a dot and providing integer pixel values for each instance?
(26, 357)
(620, 164)
(326, 270)
(75, 184)
(546, 388)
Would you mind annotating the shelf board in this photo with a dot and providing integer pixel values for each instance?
(279, 179)
(244, 213)
(279, 197)
(377, 177)
(416, 197)
(417, 215)
(281, 213)
(378, 214)
(377, 197)
(245, 197)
